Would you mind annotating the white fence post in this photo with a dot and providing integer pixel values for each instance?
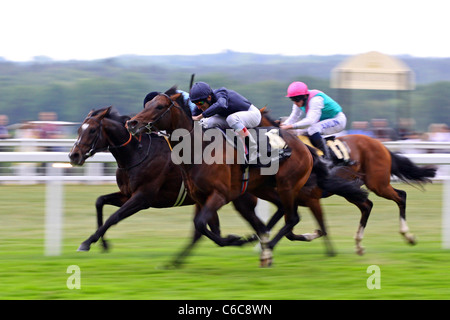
(446, 208)
(54, 212)
(94, 169)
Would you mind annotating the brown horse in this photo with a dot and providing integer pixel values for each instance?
(373, 166)
(212, 185)
(146, 176)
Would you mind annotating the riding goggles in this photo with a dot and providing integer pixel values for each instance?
(199, 103)
(297, 98)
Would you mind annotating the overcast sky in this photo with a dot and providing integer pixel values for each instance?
(94, 29)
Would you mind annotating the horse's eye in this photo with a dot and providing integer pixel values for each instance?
(92, 131)
(160, 107)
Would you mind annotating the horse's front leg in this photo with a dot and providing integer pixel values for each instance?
(213, 203)
(115, 199)
(314, 205)
(136, 203)
(245, 205)
(179, 259)
(214, 224)
(291, 219)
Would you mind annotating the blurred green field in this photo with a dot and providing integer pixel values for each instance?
(145, 242)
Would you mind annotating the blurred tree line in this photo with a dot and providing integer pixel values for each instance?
(73, 88)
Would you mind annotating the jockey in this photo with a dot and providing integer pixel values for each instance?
(323, 115)
(226, 108)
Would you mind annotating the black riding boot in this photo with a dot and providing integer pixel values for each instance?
(319, 142)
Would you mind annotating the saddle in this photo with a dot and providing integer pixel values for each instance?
(339, 150)
(270, 146)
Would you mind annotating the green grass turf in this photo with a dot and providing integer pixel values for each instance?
(143, 243)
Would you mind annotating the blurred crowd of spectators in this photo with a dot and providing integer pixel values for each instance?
(379, 129)
(47, 128)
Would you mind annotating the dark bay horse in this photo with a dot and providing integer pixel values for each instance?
(146, 176)
(212, 185)
(374, 165)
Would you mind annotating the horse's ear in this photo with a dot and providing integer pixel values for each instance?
(105, 112)
(175, 96)
(90, 113)
(171, 91)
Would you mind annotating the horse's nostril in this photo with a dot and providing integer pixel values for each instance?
(75, 158)
(131, 123)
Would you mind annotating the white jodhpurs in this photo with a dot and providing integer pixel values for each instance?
(238, 120)
(329, 126)
(248, 119)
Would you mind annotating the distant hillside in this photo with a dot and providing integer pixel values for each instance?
(427, 70)
(276, 67)
(72, 88)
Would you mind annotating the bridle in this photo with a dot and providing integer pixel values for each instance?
(150, 126)
(93, 146)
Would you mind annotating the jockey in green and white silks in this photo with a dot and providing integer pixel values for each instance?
(314, 114)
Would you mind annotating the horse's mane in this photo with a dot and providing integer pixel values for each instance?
(113, 114)
(180, 101)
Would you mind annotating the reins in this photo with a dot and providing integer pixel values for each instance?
(151, 124)
(143, 158)
(123, 144)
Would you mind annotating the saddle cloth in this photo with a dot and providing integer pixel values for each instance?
(270, 145)
(338, 149)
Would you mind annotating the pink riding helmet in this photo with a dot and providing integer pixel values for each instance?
(297, 88)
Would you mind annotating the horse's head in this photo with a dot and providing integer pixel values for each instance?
(157, 114)
(90, 137)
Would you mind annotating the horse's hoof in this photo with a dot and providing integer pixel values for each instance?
(266, 263)
(411, 239)
(169, 266)
(234, 240)
(360, 251)
(106, 246)
(84, 247)
(331, 254)
(251, 238)
(319, 233)
(266, 258)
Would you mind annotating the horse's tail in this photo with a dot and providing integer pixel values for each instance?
(408, 172)
(333, 184)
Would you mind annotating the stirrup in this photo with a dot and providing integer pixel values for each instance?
(348, 162)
